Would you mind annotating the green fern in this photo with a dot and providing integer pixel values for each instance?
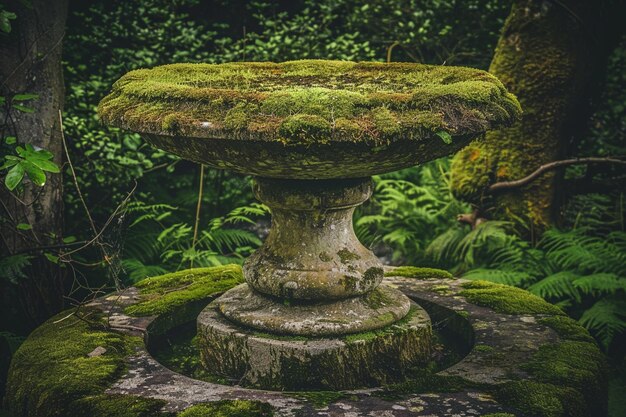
(606, 319)
(137, 270)
(600, 284)
(12, 267)
(557, 286)
(500, 276)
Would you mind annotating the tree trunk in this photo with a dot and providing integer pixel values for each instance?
(30, 62)
(550, 54)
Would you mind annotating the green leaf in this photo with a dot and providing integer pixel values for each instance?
(52, 258)
(24, 97)
(445, 136)
(36, 174)
(10, 140)
(69, 239)
(24, 226)
(23, 109)
(9, 163)
(45, 165)
(14, 177)
(5, 21)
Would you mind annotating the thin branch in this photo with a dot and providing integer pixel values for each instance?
(69, 161)
(505, 185)
(197, 222)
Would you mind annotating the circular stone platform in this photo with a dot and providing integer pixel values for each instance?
(379, 308)
(524, 358)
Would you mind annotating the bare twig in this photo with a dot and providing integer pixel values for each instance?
(69, 161)
(197, 222)
(506, 185)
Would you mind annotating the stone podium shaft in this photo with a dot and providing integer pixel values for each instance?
(312, 252)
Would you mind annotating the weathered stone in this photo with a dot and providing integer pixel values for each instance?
(377, 309)
(311, 251)
(274, 362)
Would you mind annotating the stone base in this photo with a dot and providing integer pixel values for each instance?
(276, 362)
(375, 310)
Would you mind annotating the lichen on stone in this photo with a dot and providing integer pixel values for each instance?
(164, 293)
(418, 273)
(301, 102)
(506, 299)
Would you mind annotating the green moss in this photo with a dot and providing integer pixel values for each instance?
(300, 102)
(165, 293)
(116, 406)
(425, 383)
(305, 128)
(567, 328)
(376, 299)
(483, 348)
(52, 368)
(229, 408)
(541, 400)
(506, 299)
(346, 256)
(391, 329)
(578, 365)
(319, 399)
(418, 273)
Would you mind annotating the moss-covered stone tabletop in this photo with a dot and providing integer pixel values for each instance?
(280, 119)
(521, 356)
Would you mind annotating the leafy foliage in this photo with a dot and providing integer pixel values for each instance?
(404, 216)
(581, 271)
(158, 241)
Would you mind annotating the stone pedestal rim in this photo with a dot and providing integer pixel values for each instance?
(379, 308)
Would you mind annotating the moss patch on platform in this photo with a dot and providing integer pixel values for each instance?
(116, 406)
(229, 408)
(542, 400)
(567, 328)
(506, 299)
(165, 293)
(53, 369)
(301, 102)
(418, 273)
(319, 399)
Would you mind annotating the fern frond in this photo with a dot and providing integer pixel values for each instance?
(501, 276)
(605, 319)
(12, 267)
(556, 286)
(137, 270)
(600, 283)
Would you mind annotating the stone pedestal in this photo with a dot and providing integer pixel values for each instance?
(270, 361)
(312, 314)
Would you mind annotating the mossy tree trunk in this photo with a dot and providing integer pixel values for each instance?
(550, 54)
(30, 63)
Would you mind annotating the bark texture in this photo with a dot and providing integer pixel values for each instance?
(551, 55)
(30, 62)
